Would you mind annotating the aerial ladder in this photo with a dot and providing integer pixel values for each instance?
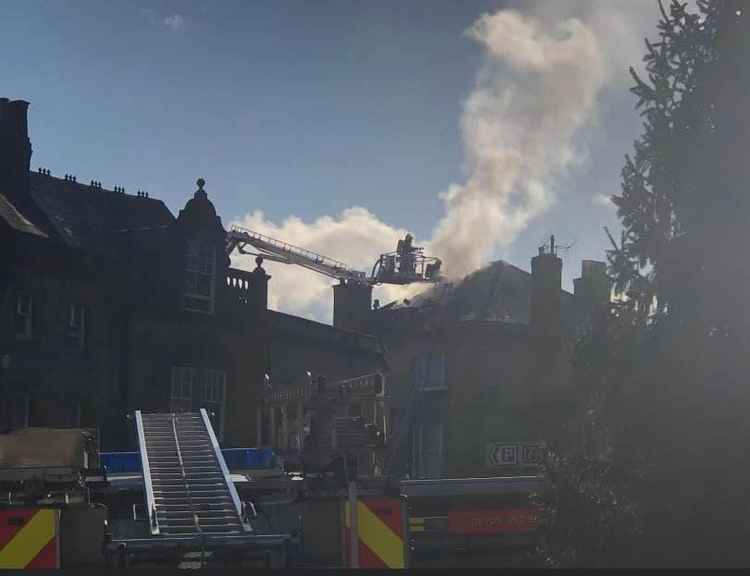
(406, 265)
(187, 485)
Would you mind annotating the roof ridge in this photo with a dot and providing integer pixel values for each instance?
(119, 191)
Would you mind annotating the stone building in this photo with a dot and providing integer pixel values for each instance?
(483, 361)
(109, 303)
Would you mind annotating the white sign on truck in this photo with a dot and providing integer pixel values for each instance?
(515, 454)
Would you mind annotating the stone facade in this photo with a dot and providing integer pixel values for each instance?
(484, 361)
(109, 303)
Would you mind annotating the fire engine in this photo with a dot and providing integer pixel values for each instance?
(181, 500)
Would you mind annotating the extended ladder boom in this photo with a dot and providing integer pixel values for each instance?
(280, 251)
(406, 265)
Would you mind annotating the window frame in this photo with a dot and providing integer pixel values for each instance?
(215, 380)
(196, 266)
(429, 371)
(178, 400)
(436, 363)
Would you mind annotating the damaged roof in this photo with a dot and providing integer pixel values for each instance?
(498, 292)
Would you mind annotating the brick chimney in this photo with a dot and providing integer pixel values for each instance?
(546, 285)
(545, 324)
(591, 293)
(15, 149)
(351, 305)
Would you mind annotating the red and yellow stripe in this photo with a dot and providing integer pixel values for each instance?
(28, 538)
(380, 532)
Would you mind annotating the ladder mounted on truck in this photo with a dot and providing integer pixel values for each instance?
(186, 481)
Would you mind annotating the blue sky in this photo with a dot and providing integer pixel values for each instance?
(293, 108)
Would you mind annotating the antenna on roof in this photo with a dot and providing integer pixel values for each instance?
(552, 247)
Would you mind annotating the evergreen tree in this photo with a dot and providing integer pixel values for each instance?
(663, 377)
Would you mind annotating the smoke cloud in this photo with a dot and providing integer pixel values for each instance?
(543, 73)
(537, 88)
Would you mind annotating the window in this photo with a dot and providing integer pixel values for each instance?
(75, 332)
(429, 371)
(24, 315)
(418, 371)
(199, 277)
(429, 450)
(181, 395)
(436, 377)
(214, 398)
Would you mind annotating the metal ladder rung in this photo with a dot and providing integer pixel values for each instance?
(188, 486)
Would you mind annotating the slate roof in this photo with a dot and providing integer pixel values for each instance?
(324, 334)
(85, 217)
(298, 345)
(498, 292)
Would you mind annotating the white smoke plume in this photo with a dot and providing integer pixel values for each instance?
(537, 90)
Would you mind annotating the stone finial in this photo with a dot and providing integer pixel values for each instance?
(200, 192)
(259, 261)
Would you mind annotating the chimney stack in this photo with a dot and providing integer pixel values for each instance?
(546, 286)
(592, 294)
(15, 149)
(545, 322)
(352, 302)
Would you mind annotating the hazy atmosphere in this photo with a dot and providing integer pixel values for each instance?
(339, 126)
(375, 284)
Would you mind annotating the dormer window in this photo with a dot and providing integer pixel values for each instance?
(200, 263)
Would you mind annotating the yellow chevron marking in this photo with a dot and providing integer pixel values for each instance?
(379, 537)
(29, 540)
